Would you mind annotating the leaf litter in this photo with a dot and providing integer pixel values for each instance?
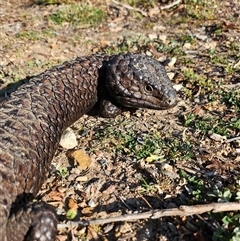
(144, 159)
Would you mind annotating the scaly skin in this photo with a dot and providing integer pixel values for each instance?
(33, 118)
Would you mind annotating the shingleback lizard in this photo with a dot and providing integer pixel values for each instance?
(33, 118)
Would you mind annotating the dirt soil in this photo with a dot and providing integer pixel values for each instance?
(144, 159)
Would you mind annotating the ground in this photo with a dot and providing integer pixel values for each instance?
(142, 160)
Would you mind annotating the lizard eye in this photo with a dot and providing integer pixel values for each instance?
(148, 88)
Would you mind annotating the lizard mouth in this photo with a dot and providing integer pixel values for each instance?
(151, 102)
(155, 104)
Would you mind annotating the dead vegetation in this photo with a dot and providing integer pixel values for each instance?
(144, 160)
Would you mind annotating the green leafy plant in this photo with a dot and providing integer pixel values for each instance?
(144, 146)
(198, 80)
(230, 222)
(147, 187)
(63, 172)
(212, 124)
(231, 98)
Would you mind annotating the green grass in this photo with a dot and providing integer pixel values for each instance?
(231, 98)
(195, 11)
(218, 125)
(173, 48)
(129, 142)
(200, 9)
(127, 44)
(35, 35)
(140, 3)
(79, 14)
(30, 35)
(147, 188)
(199, 80)
(48, 2)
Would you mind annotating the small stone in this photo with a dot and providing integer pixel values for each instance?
(109, 190)
(172, 61)
(177, 87)
(170, 75)
(163, 38)
(124, 228)
(187, 46)
(82, 179)
(108, 228)
(216, 137)
(201, 37)
(68, 139)
(159, 28)
(210, 45)
(152, 36)
(91, 203)
(149, 53)
(172, 227)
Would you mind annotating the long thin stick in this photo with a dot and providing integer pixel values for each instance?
(129, 7)
(158, 213)
(171, 5)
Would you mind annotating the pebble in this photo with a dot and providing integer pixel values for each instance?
(172, 61)
(152, 36)
(201, 37)
(210, 45)
(163, 38)
(159, 28)
(68, 139)
(124, 228)
(91, 203)
(216, 137)
(177, 87)
(108, 228)
(187, 46)
(171, 75)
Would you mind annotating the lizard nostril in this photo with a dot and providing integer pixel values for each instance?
(171, 100)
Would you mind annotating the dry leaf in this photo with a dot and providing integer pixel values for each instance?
(109, 189)
(83, 160)
(88, 211)
(72, 204)
(153, 158)
(62, 237)
(81, 179)
(54, 195)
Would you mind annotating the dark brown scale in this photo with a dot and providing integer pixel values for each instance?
(33, 118)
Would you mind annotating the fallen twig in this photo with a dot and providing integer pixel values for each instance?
(233, 139)
(129, 7)
(170, 5)
(158, 213)
(232, 86)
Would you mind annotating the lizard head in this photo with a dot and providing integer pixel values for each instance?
(138, 81)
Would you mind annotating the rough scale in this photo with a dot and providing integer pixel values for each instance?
(33, 118)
